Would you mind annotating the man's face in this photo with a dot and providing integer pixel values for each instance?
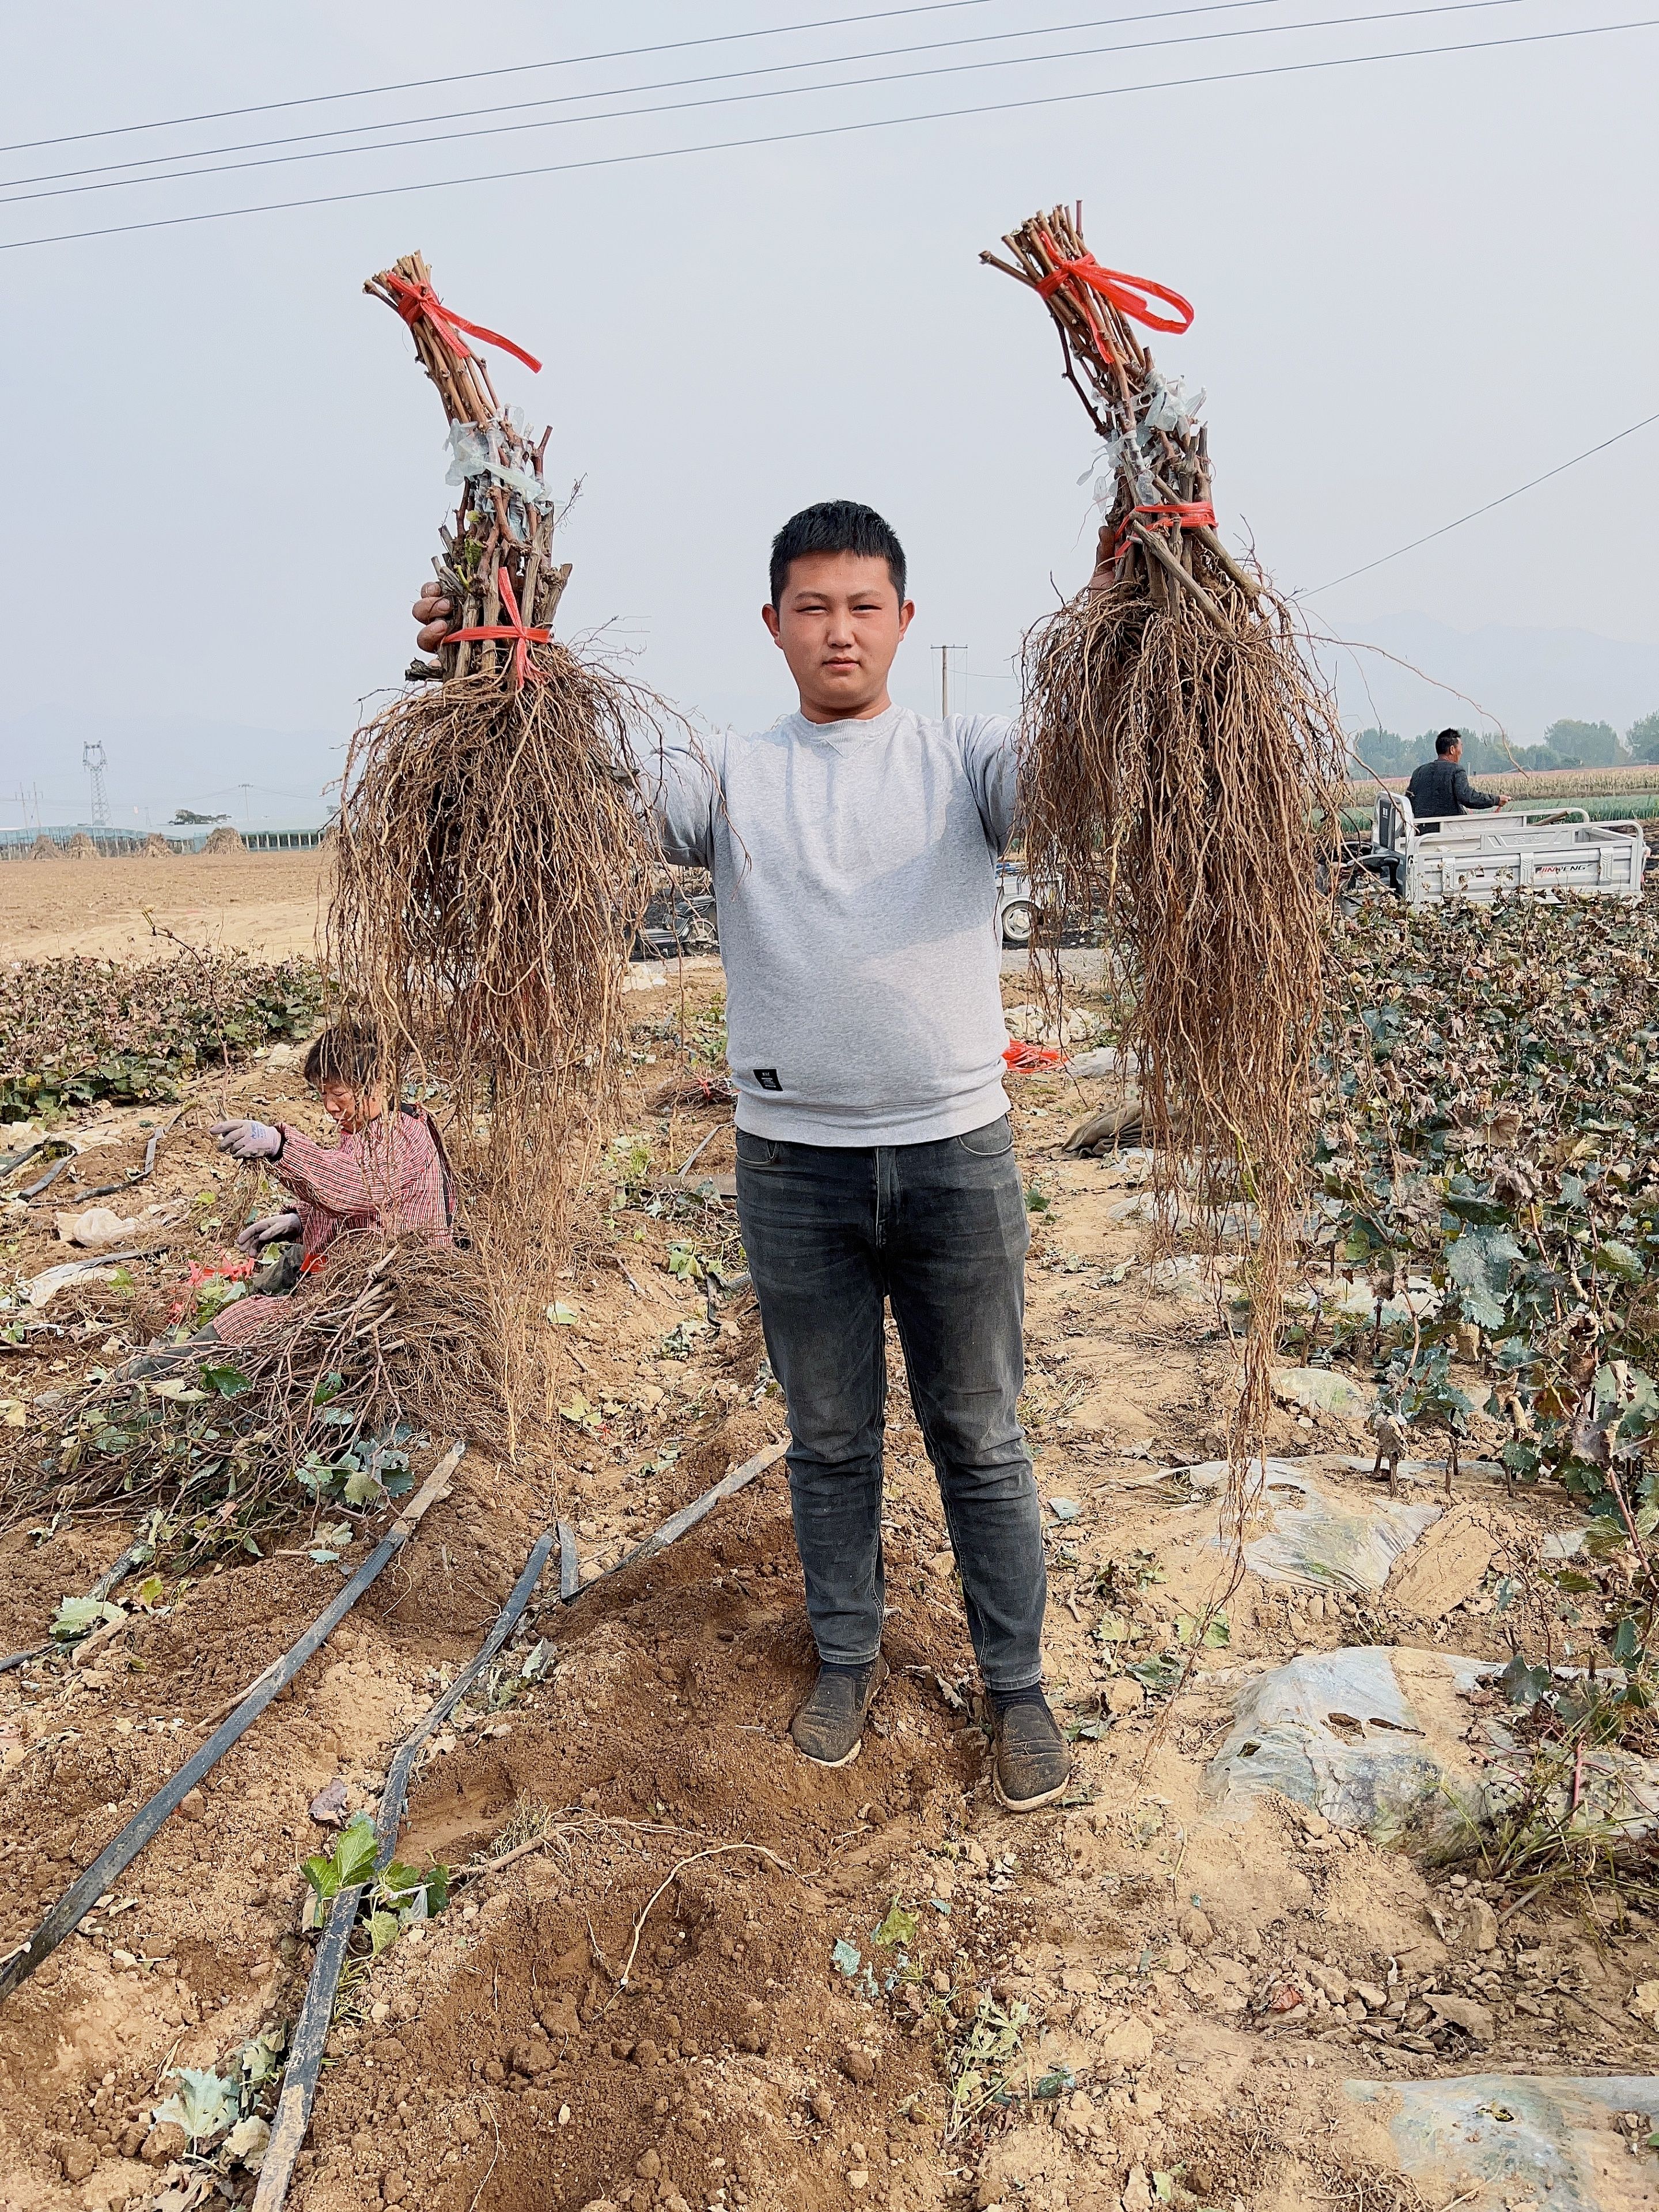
(1455, 753)
(839, 623)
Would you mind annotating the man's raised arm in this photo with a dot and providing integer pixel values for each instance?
(1468, 797)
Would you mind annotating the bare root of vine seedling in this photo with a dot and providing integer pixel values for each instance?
(491, 867)
(1180, 765)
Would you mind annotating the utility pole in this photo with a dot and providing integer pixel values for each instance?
(944, 653)
(246, 804)
(93, 760)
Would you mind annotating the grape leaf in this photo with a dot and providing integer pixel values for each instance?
(1479, 1262)
(898, 1927)
(204, 2104)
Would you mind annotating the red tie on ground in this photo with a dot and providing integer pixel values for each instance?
(514, 626)
(1026, 1059)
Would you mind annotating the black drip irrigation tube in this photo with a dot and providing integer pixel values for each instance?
(104, 1189)
(137, 1555)
(47, 1181)
(130, 1181)
(12, 1161)
(306, 2046)
(571, 1585)
(77, 1901)
(305, 2054)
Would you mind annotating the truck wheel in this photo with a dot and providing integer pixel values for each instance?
(1018, 919)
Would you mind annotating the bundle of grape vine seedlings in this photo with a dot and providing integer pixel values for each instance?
(1180, 758)
(492, 857)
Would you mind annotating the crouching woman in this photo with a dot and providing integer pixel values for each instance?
(388, 1177)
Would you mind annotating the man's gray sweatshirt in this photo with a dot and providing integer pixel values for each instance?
(855, 867)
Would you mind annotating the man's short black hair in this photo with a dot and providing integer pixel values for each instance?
(1446, 740)
(836, 526)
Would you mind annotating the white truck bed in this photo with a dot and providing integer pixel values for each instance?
(1510, 848)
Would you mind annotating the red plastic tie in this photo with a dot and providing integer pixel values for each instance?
(1086, 274)
(514, 626)
(1164, 515)
(1027, 1059)
(418, 302)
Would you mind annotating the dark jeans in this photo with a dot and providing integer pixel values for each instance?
(831, 1233)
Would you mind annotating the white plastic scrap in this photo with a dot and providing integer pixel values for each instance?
(95, 1227)
(1321, 1391)
(1347, 1300)
(42, 1287)
(1105, 1060)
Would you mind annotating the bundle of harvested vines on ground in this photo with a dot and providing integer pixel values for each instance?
(400, 1333)
(388, 1343)
(492, 858)
(1179, 765)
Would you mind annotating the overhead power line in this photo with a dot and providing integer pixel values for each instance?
(8, 199)
(829, 131)
(1502, 500)
(475, 77)
(721, 77)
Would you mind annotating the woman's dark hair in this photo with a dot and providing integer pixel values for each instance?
(836, 526)
(344, 1054)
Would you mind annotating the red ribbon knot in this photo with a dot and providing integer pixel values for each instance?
(1128, 294)
(419, 302)
(514, 626)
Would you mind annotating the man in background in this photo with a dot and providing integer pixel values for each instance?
(1442, 785)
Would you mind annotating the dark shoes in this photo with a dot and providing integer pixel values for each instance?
(828, 1729)
(1032, 1765)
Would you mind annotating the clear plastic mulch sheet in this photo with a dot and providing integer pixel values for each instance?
(1314, 1534)
(1562, 2144)
(1370, 1737)
(1382, 1740)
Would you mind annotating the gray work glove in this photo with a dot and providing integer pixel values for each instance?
(247, 1140)
(270, 1229)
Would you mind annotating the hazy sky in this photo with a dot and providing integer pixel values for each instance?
(1418, 282)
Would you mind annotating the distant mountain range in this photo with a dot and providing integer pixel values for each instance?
(1523, 679)
(154, 767)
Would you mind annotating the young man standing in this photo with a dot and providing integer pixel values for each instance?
(854, 850)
